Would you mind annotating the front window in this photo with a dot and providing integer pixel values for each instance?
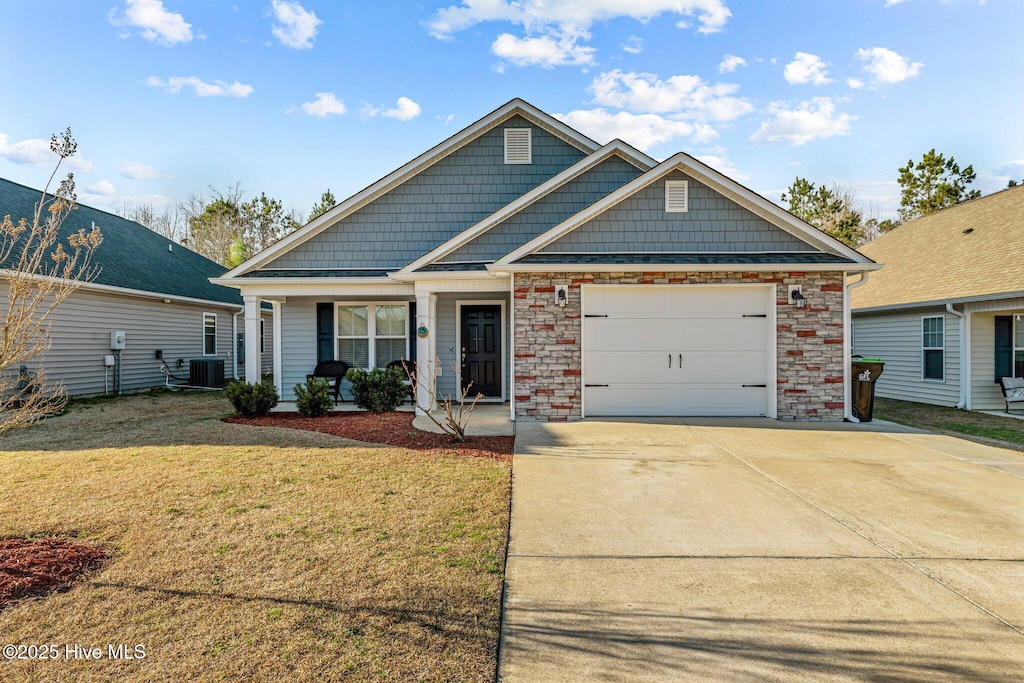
(372, 335)
(933, 348)
(1018, 346)
(209, 334)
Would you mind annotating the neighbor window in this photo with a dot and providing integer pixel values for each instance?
(933, 348)
(372, 335)
(209, 334)
(1018, 346)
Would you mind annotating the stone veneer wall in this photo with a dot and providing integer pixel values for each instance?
(548, 382)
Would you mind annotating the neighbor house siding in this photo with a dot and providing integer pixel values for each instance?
(985, 392)
(80, 333)
(809, 341)
(713, 223)
(441, 201)
(547, 212)
(448, 351)
(896, 338)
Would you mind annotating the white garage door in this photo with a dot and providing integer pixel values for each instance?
(684, 350)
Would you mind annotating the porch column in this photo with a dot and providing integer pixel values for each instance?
(252, 338)
(426, 348)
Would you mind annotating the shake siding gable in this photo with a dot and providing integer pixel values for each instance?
(547, 212)
(713, 223)
(435, 205)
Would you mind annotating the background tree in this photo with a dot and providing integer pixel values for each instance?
(325, 204)
(38, 273)
(830, 210)
(933, 183)
(264, 222)
(166, 221)
(1012, 183)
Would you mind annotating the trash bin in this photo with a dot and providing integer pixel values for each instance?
(866, 372)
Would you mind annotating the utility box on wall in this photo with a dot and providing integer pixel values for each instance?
(117, 339)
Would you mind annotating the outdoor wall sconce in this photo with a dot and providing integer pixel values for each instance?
(797, 298)
(561, 295)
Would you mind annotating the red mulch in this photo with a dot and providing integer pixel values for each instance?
(38, 566)
(392, 429)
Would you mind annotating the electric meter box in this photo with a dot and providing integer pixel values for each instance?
(117, 340)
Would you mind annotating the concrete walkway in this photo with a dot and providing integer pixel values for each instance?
(749, 550)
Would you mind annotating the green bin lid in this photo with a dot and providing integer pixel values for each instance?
(867, 360)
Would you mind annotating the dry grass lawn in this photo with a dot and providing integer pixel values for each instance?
(251, 553)
(993, 430)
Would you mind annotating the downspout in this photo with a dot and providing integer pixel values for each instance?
(962, 405)
(512, 344)
(234, 343)
(847, 350)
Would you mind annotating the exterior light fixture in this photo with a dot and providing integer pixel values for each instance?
(797, 298)
(561, 295)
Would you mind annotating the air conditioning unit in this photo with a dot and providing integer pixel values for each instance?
(206, 372)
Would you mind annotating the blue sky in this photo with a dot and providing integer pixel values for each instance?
(167, 98)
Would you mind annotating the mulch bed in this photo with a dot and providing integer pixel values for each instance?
(392, 429)
(31, 566)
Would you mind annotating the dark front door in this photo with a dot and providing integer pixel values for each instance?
(481, 350)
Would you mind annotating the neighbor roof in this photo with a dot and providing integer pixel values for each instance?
(131, 256)
(969, 250)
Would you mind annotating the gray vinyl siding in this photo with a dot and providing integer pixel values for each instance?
(547, 212)
(712, 223)
(434, 205)
(985, 393)
(447, 349)
(896, 338)
(267, 359)
(80, 333)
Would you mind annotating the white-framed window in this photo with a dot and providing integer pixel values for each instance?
(1018, 345)
(263, 335)
(371, 335)
(933, 348)
(209, 334)
(677, 196)
(518, 146)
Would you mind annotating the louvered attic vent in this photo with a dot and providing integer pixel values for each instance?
(518, 146)
(676, 196)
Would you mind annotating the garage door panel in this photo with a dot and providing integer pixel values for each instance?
(615, 334)
(632, 367)
(709, 401)
(624, 303)
(737, 334)
(724, 367)
(641, 400)
(724, 301)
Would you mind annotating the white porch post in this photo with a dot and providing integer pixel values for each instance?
(276, 342)
(252, 338)
(426, 347)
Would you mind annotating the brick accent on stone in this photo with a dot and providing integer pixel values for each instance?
(809, 350)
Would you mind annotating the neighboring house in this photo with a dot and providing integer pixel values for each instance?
(952, 288)
(155, 290)
(567, 278)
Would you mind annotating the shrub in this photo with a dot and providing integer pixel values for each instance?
(313, 399)
(252, 400)
(379, 390)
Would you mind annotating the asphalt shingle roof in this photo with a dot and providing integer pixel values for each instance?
(131, 255)
(968, 250)
(786, 258)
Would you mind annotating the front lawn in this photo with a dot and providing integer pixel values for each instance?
(994, 430)
(250, 553)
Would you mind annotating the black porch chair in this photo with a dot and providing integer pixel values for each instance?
(334, 371)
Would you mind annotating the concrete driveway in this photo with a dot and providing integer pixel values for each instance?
(749, 550)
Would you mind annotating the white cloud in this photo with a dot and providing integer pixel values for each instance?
(295, 26)
(554, 29)
(139, 171)
(686, 96)
(813, 120)
(643, 131)
(405, 110)
(37, 152)
(887, 66)
(156, 23)
(200, 87)
(891, 3)
(730, 63)
(722, 165)
(545, 51)
(855, 83)
(633, 46)
(367, 109)
(806, 68)
(101, 187)
(116, 202)
(325, 104)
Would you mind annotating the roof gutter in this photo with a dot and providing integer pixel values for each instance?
(680, 267)
(964, 356)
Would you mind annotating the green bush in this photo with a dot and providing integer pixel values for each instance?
(314, 399)
(379, 390)
(252, 400)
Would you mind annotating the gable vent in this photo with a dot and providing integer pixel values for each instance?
(676, 196)
(518, 146)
